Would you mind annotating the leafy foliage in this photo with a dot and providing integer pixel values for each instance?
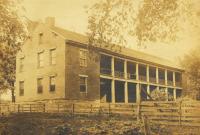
(161, 95)
(116, 21)
(12, 34)
(191, 63)
(157, 20)
(54, 124)
(108, 22)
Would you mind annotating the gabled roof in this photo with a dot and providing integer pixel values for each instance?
(79, 38)
(69, 35)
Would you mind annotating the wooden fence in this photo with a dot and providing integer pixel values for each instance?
(171, 113)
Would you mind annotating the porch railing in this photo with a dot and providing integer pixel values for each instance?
(131, 76)
(142, 78)
(152, 79)
(105, 71)
(170, 83)
(162, 81)
(119, 74)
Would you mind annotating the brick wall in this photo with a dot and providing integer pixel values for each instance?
(31, 71)
(73, 70)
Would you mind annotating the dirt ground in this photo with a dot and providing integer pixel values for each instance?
(63, 124)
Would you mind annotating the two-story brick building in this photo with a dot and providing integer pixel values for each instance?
(55, 64)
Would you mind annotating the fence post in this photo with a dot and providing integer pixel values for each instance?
(91, 108)
(180, 113)
(18, 108)
(133, 109)
(100, 110)
(14, 108)
(73, 109)
(30, 108)
(58, 107)
(138, 111)
(22, 108)
(146, 126)
(109, 109)
(8, 108)
(44, 109)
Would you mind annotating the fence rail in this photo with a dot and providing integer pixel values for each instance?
(171, 112)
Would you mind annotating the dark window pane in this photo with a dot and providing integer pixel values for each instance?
(21, 88)
(52, 87)
(178, 93)
(40, 89)
(82, 88)
(39, 85)
(83, 84)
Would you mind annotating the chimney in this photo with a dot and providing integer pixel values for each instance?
(50, 21)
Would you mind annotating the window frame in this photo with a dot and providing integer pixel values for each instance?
(39, 60)
(169, 75)
(83, 53)
(40, 38)
(85, 83)
(50, 83)
(39, 86)
(20, 89)
(21, 64)
(51, 58)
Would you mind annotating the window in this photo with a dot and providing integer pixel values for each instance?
(21, 88)
(41, 59)
(169, 76)
(52, 84)
(83, 58)
(52, 56)
(161, 76)
(39, 85)
(21, 64)
(40, 38)
(83, 84)
(142, 72)
(178, 93)
(170, 94)
(178, 79)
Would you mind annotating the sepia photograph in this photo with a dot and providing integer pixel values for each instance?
(99, 67)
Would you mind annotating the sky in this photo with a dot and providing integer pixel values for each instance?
(71, 15)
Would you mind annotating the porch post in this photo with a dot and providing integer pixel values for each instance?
(165, 76)
(113, 91)
(137, 72)
(138, 93)
(113, 81)
(113, 66)
(147, 73)
(125, 69)
(148, 90)
(157, 88)
(166, 91)
(174, 94)
(174, 79)
(125, 84)
(157, 76)
(126, 91)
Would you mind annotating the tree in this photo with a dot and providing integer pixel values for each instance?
(113, 22)
(161, 95)
(12, 34)
(191, 64)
